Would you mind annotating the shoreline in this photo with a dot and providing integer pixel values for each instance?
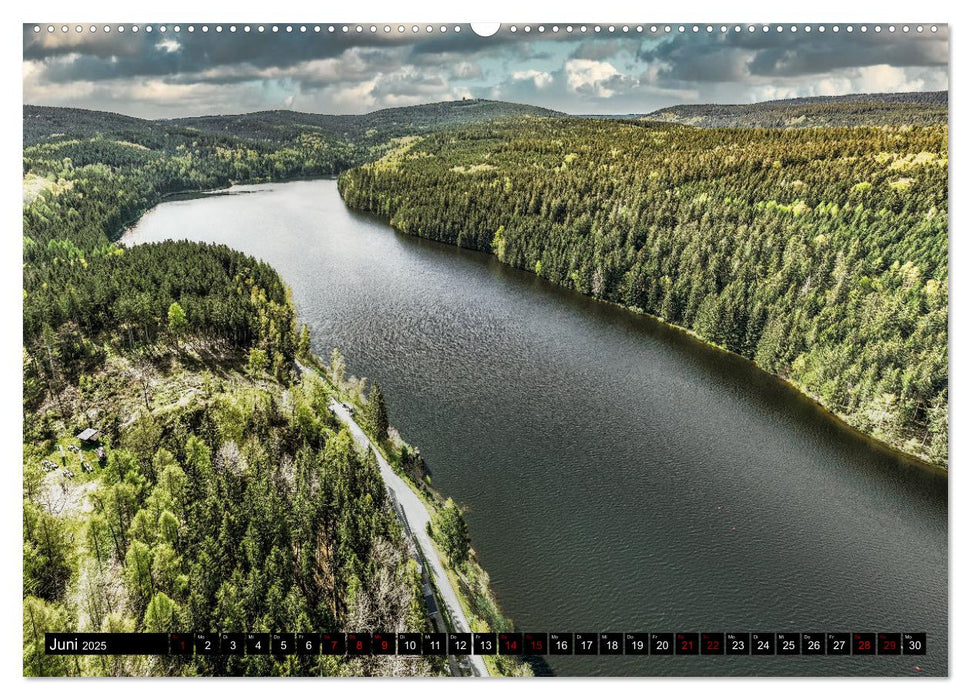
(916, 461)
(479, 619)
(896, 451)
(187, 195)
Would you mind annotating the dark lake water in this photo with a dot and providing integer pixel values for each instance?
(618, 475)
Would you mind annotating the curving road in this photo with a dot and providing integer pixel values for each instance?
(417, 518)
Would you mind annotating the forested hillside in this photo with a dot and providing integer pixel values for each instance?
(89, 174)
(80, 289)
(880, 109)
(221, 494)
(820, 254)
(226, 501)
(369, 129)
(358, 132)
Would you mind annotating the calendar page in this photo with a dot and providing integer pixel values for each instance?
(397, 349)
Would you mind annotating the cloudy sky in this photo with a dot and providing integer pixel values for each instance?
(170, 74)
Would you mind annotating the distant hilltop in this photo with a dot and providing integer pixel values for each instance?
(41, 123)
(876, 109)
(280, 126)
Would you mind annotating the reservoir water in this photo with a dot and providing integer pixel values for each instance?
(618, 475)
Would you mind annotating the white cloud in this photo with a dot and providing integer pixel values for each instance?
(885, 79)
(588, 76)
(168, 46)
(849, 81)
(353, 98)
(540, 78)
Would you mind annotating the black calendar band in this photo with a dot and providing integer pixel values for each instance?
(490, 643)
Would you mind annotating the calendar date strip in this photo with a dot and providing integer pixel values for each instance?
(490, 643)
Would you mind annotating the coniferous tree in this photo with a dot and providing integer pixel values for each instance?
(303, 343)
(177, 322)
(376, 414)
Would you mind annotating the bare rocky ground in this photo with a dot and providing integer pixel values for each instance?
(66, 497)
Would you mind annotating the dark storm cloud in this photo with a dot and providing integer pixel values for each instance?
(91, 67)
(735, 56)
(841, 51)
(605, 48)
(134, 54)
(461, 42)
(173, 74)
(716, 63)
(469, 42)
(118, 55)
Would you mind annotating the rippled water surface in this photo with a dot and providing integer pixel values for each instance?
(618, 475)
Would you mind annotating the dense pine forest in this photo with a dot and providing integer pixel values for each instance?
(879, 109)
(222, 494)
(820, 254)
(226, 501)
